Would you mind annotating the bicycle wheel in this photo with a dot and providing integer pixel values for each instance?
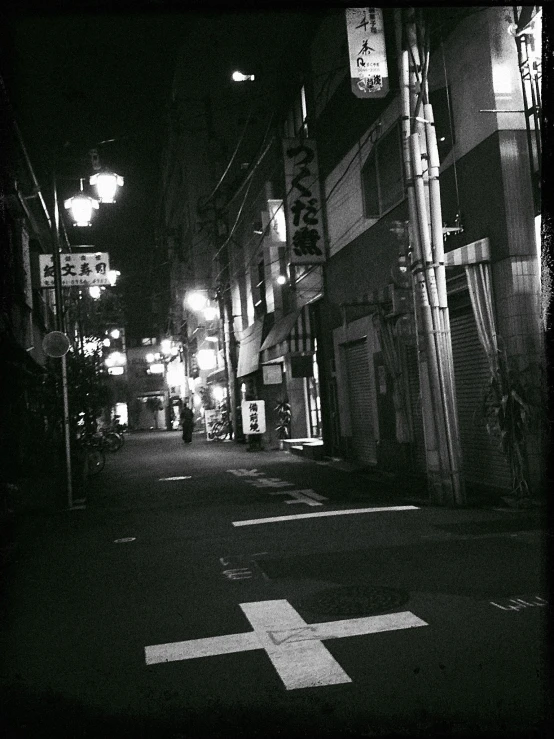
(96, 459)
(218, 431)
(113, 441)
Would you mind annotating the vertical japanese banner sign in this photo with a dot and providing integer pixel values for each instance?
(253, 416)
(369, 74)
(304, 216)
(78, 270)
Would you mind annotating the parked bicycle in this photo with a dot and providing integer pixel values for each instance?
(111, 440)
(220, 429)
(92, 446)
(117, 427)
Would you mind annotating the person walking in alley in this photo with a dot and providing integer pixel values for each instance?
(187, 422)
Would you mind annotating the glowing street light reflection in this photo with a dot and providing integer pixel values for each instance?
(210, 313)
(206, 359)
(196, 301)
(240, 77)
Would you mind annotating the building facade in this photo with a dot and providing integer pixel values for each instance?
(314, 264)
(27, 312)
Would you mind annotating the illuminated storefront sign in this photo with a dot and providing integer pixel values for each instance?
(368, 57)
(76, 269)
(304, 217)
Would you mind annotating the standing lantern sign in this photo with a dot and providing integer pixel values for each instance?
(368, 56)
(253, 417)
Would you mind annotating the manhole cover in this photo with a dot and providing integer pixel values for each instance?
(355, 601)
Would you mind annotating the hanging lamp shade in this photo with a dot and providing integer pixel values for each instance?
(106, 184)
(81, 207)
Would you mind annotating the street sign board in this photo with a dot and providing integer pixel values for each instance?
(77, 270)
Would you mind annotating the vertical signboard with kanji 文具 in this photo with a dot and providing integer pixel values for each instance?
(303, 202)
(77, 270)
(253, 417)
(369, 74)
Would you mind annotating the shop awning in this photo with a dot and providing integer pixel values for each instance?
(249, 349)
(281, 330)
(291, 334)
(474, 253)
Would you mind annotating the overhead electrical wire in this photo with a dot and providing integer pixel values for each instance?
(234, 154)
(328, 195)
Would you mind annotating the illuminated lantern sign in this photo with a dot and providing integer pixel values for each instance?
(77, 269)
(303, 204)
(278, 225)
(253, 416)
(368, 57)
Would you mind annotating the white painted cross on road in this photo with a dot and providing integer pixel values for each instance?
(294, 647)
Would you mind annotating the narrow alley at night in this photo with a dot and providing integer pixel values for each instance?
(274, 371)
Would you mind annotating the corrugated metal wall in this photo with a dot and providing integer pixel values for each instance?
(483, 461)
(360, 401)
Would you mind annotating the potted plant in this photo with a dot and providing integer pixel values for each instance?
(283, 428)
(512, 409)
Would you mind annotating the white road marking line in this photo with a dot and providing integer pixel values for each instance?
(180, 477)
(125, 540)
(273, 519)
(307, 496)
(294, 647)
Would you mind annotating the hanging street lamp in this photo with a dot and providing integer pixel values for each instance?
(81, 207)
(107, 184)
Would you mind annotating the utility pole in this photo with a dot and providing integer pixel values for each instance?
(60, 326)
(221, 238)
(434, 344)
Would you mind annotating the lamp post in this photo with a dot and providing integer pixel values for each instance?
(81, 207)
(60, 326)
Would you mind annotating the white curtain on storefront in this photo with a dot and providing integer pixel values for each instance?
(480, 293)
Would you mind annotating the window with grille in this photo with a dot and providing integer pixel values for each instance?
(382, 175)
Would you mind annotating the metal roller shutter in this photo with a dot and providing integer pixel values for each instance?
(483, 461)
(360, 401)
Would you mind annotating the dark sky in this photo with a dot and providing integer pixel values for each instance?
(84, 77)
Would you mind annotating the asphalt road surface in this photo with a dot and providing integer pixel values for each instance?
(209, 591)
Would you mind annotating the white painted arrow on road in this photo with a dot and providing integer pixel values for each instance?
(294, 647)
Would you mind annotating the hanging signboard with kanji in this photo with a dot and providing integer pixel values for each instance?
(253, 416)
(77, 270)
(366, 48)
(303, 202)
